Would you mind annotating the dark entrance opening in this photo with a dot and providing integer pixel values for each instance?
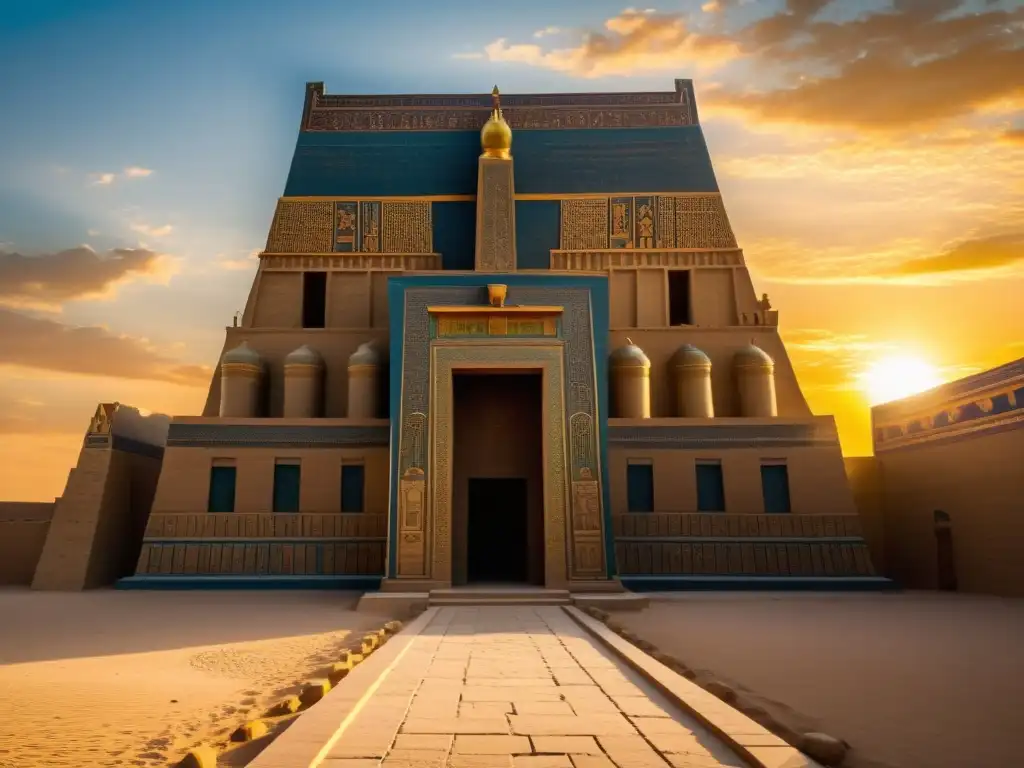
(497, 478)
(497, 539)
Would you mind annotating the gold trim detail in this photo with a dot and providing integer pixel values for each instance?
(488, 310)
(444, 359)
(386, 262)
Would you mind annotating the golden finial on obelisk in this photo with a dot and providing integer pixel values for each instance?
(496, 135)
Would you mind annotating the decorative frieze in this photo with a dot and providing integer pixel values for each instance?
(602, 260)
(389, 262)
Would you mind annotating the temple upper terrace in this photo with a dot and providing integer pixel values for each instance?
(339, 112)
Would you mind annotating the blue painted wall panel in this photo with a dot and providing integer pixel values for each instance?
(537, 225)
(384, 164)
(455, 234)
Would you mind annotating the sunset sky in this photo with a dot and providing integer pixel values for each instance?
(871, 157)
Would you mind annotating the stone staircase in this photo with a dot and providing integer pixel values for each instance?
(499, 596)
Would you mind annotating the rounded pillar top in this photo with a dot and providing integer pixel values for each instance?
(304, 355)
(688, 356)
(366, 354)
(243, 354)
(629, 356)
(752, 356)
(496, 135)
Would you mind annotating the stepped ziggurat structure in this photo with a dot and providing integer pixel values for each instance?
(492, 338)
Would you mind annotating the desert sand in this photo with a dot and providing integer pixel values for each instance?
(908, 679)
(113, 678)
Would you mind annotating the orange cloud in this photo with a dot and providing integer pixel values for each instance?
(978, 254)
(49, 279)
(40, 343)
(634, 41)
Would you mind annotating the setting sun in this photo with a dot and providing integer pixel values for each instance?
(892, 378)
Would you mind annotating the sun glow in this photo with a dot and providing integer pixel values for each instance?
(893, 378)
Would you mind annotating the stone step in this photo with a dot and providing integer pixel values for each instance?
(509, 601)
(500, 593)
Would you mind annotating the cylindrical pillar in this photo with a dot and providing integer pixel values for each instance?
(240, 372)
(303, 374)
(755, 381)
(691, 370)
(631, 382)
(363, 382)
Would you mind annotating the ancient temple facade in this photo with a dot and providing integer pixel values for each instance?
(502, 338)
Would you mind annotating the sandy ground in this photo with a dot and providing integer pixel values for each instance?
(137, 678)
(910, 680)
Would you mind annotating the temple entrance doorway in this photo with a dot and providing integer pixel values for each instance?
(498, 478)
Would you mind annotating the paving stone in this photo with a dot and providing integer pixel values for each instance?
(489, 693)
(639, 706)
(591, 761)
(423, 741)
(782, 757)
(699, 761)
(574, 745)
(631, 751)
(678, 743)
(541, 761)
(566, 725)
(491, 745)
(530, 707)
(650, 726)
(487, 708)
(359, 762)
(456, 725)
(416, 758)
(480, 761)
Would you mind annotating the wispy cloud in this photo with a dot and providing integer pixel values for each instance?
(106, 178)
(546, 32)
(469, 56)
(632, 42)
(103, 179)
(137, 172)
(238, 263)
(48, 280)
(42, 343)
(151, 231)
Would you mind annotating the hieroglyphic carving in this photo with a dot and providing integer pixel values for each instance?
(584, 224)
(666, 223)
(495, 249)
(426, 119)
(412, 495)
(701, 222)
(448, 326)
(346, 227)
(369, 226)
(407, 227)
(644, 222)
(302, 227)
(620, 233)
(446, 357)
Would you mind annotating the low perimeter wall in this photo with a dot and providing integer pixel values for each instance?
(23, 529)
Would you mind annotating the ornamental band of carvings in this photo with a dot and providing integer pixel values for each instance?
(301, 227)
(508, 101)
(344, 226)
(579, 374)
(387, 262)
(697, 222)
(495, 220)
(472, 119)
(597, 261)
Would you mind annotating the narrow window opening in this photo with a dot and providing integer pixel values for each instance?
(679, 297)
(710, 487)
(640, 487)
(314, 299)
(352, 488)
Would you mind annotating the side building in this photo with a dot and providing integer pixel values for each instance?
(458, 346)
(942, 497)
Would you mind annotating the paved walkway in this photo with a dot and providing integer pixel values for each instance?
(500, 687)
